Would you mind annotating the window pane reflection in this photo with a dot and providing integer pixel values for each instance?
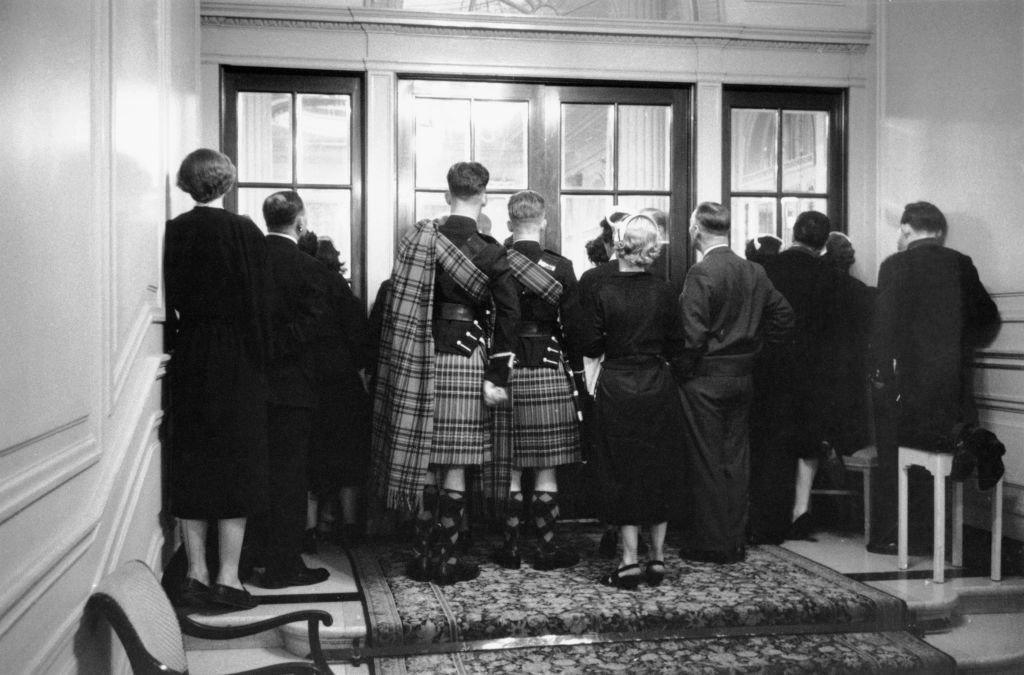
(645, 134)
(264, 137)
(754, 150)
(323, 130)
(581, 222)
(587, 146)
(500, 138)
(250, 203)
(430, 205)
(442, 138)
(751, 217)
(497, 212)
(805, 151)
(329, 214)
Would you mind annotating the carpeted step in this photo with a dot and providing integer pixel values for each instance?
(876, 652)
(772, 590)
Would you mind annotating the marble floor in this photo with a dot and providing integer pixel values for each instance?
(978, 621)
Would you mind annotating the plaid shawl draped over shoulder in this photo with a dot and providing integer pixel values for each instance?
(534, 277)
(403, 405)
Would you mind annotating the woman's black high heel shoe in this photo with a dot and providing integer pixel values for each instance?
(617, 579)
(654, 572)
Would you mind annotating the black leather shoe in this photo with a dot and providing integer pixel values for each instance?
(236, 598)
(618, 579)
(302, 576)
(555, 558)
(192, 594)
(801, 529)
(420, 568)
(654, 572)
(507, 557)
(448, 573)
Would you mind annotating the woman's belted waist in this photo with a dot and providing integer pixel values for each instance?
(453, 311)
(732, 365)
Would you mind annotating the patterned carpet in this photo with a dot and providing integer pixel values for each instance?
(776, 611)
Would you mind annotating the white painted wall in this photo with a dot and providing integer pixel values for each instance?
(100, 103)
(951, 131)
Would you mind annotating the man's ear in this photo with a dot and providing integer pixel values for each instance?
(448, 197)
(508, 223)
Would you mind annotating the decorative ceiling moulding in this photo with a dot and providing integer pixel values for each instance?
(669, 33)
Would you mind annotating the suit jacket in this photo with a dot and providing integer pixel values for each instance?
(729, 308)
(931, 312)
(298, 298)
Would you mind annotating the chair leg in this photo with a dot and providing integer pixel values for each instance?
(957, 556)
(901, 541)
(939, 524)
(997, 532)
(867, 505)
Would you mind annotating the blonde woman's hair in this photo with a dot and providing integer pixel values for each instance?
(638, 240)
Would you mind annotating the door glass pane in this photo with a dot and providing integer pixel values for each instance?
(638, 203)
(754, 149)
(587, 146)
(497, 212)
(264, 137)
(430, 205)
(805, 151)
(581, 222)
(500, 139)
(323, 135)
(645, 150)
(793, 207)
(751, 217)
(442, 138)
(250, 203)
(329, 214)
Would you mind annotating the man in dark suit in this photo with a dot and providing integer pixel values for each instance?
(729, 309)
(931, 313)
(297, 298)
(794, 438)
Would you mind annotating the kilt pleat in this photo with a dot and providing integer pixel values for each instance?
(462, 423)
(544, 426)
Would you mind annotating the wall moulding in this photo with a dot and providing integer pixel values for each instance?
(46, 435)
(231, 15)
(31, 485)
(36, 579)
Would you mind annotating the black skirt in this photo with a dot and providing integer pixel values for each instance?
(638, 443)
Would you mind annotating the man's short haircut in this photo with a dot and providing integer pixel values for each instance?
(281, 209)
(713, 217)
(525, 205)
(467, 179)
(206, 174)
(811, 229)
(924, 217)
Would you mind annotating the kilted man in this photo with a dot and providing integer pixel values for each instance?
(541, 429)
(435, 376)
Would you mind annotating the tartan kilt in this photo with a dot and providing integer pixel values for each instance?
(544, 424)
(462, 423)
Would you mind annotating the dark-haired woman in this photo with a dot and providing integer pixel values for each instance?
(214, 269)
(634, 322)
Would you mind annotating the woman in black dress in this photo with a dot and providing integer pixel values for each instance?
(214, 268)
(633, 320)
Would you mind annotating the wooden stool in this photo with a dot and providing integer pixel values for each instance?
(940, 465)
(863, 461)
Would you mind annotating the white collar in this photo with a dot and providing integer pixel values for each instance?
(282, 234)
